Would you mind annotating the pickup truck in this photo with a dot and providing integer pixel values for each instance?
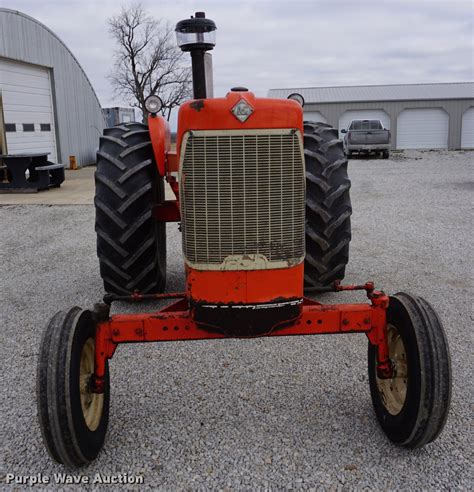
(366, 136)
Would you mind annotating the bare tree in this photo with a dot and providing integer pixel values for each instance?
(147, 61)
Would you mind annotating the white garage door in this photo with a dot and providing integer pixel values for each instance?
(363, 114)
(27, 108)
(467, 132)
(314, 116)
(422, 129)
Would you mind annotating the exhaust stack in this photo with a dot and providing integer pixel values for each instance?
(197, 35)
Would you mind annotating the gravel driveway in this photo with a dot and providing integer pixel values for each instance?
(265, 413)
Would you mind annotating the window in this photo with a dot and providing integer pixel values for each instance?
(28, 127)
(356, 125)
(10, 127)
(45, 127)
(365, 125)
(375, 125)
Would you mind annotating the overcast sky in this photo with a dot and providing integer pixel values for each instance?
(271, 44)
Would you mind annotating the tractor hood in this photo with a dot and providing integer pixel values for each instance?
(238, 110)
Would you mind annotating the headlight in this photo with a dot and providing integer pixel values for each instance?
(153, 104)
(298, 98)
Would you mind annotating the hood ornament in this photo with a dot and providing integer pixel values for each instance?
(242, 110)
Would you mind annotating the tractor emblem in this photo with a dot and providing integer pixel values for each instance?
(242, 110)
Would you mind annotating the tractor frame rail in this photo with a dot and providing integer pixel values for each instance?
(175, 323)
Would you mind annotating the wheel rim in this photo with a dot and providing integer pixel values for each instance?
(393, 391)
(92, 404)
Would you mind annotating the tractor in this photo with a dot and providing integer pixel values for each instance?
(262, 201)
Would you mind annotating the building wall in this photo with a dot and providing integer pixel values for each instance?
(454, 107)
(78, 115)
(115, 116)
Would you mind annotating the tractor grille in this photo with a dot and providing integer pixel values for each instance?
(242, 199)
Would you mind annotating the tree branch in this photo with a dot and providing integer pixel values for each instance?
(147, 61)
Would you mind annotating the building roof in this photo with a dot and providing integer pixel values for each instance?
(54, 35)
(398, 92)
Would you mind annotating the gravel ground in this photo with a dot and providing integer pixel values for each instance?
(266, 413)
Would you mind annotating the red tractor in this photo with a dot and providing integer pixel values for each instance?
(263, 202)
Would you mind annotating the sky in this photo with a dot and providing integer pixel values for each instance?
(275, 44)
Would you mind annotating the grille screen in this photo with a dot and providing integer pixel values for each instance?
(242, 199)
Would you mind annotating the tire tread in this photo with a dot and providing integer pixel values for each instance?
(328, 206)
(131, 246)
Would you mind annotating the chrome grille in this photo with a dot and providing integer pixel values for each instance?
(242, 198)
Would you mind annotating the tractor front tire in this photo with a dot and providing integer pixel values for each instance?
(328, 207)
(73, 420)
(131, 244)
(412, 406)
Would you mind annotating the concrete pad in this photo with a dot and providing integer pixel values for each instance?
(78, 189)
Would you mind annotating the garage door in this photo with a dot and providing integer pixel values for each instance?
(314, 116)
(422, 129)
(467, 131)
(366, 114)
(27, 108)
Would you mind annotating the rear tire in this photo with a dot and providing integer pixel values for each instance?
(131, 244)
(328, 206)
(412, 407)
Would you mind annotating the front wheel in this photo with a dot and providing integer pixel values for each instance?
(73, 420)
(413, 405)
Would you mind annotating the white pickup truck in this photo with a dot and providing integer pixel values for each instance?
(365, 137)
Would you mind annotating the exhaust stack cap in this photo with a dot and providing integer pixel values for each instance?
(196, 33)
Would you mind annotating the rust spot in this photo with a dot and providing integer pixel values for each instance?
(115, 333)
(197, 105)
(345, 321)
(139, 331)
(367, 321)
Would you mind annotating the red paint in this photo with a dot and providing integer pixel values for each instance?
(175, 323)
(245, 286)
(168, 211)
(160, 140)
(216, 114)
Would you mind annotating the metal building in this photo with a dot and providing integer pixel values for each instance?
(47, 103)
(419, 116)
(115, 116)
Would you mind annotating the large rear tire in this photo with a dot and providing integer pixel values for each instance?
(131, 244)
(328, 206)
